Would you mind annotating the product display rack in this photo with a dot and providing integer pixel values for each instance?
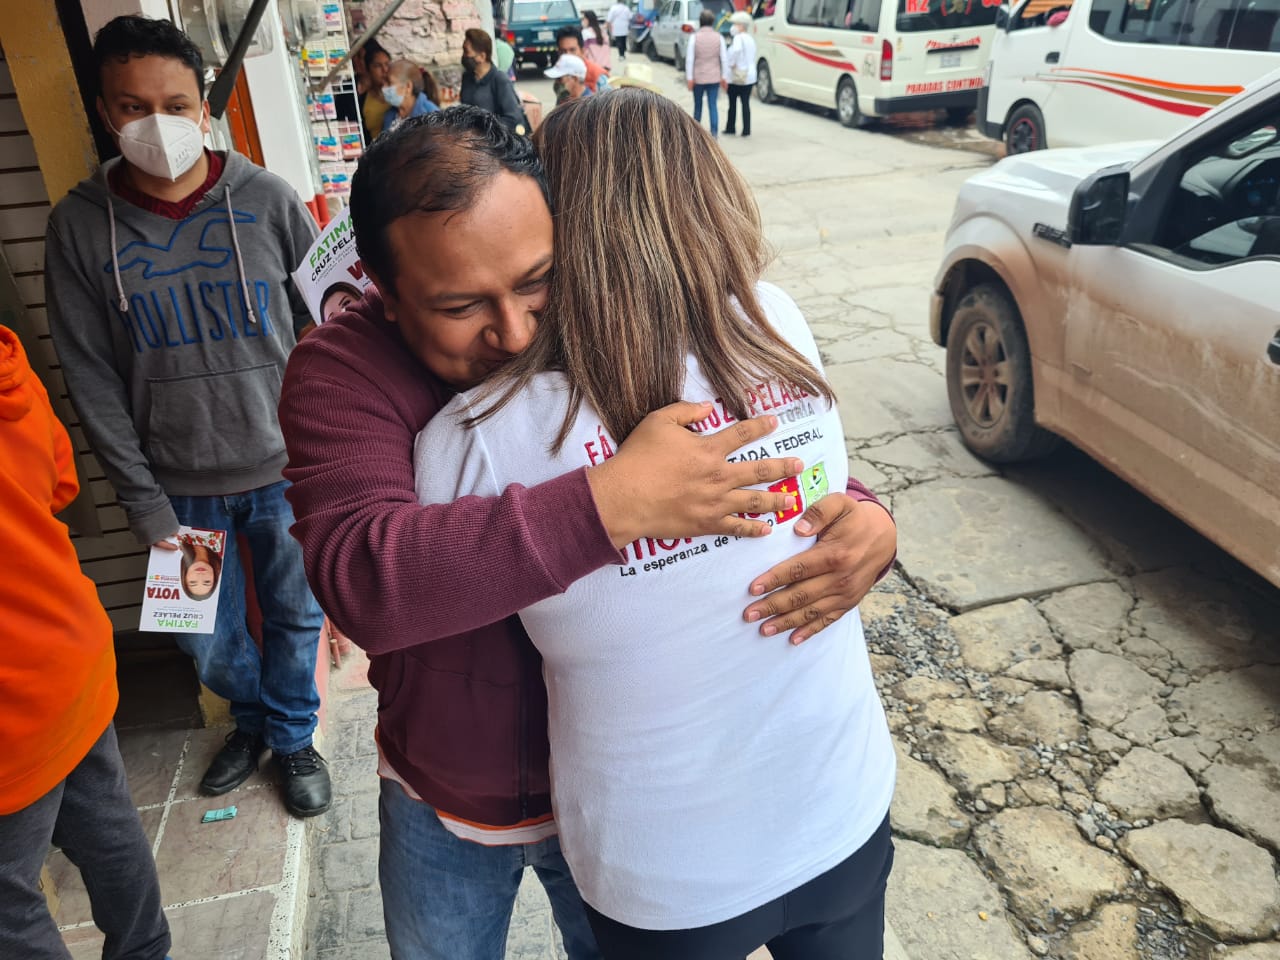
(339, 143)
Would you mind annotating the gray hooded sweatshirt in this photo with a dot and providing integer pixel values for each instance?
(173, 334)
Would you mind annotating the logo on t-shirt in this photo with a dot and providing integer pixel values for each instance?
(790, 485)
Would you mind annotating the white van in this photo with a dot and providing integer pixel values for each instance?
(1066, 74)
(870, 58)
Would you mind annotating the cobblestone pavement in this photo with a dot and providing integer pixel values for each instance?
(1085, 694)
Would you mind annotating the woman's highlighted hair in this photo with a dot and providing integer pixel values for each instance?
(660, 262)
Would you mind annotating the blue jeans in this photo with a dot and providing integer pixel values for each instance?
(272, 693)
(712, 92)
(445, 898)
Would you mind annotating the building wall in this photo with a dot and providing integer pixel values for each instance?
(429, 32)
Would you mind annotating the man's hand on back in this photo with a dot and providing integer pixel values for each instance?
(667, 482)
(857, 540)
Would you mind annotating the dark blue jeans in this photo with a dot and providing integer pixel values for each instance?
(712, 93)
(445, 898)
(92, 818)
(272, 693)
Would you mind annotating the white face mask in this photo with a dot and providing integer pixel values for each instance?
(161, 145)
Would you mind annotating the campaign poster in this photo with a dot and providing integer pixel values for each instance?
(331, 276)
(182, 586)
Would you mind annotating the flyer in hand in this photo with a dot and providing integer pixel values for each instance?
(182, 586)
(331, 275)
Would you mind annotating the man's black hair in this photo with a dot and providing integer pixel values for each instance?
(432, 164)
(130, 36)
(571, 30)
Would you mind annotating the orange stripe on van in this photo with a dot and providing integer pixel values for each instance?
(1186, 109)
(1151, 81)
(818, 58)
(810, 43)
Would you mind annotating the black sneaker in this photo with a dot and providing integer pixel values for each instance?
(307, 791)
(234, 764)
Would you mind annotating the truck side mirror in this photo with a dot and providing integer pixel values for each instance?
(1098, 208)
(1002, 18)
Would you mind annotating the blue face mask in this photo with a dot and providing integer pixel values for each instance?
(393, 97)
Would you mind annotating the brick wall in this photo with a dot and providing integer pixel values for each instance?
(428, 32)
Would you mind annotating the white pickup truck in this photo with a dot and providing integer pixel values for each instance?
(1125, 298)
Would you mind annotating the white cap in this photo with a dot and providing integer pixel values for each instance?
(567, 66)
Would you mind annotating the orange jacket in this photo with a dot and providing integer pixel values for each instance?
(57, 662)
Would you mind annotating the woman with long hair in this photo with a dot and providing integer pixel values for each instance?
(715, 787)
(594, 43)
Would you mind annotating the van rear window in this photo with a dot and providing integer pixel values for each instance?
(915, 16)
(523, 11)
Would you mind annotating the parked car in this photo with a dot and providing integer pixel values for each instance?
(1124, 297)
(532, 26)
(677, 21)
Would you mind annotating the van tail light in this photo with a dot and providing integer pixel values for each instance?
(886, 61)
(686, 28)
(511, 37)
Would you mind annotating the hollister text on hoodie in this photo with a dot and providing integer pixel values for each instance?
(174, 334)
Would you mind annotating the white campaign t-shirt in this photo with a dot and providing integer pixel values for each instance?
(699, 769)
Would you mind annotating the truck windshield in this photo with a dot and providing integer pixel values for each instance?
(915, 16)
(522, 11)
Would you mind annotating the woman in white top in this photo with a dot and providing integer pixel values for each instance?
(742, 71)
(715, 789)
(619, 20)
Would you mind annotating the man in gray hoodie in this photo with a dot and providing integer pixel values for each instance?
(173, 313)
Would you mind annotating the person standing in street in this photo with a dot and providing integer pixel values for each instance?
(173, 311)
(405, 95)
(595, 43)
(706, 67)
(504, 55)
(619, 20)
(485, 86)
(62, 780)
(742, 71)
(452, 223)
(569, 40)
(373, 107)
(570, 74)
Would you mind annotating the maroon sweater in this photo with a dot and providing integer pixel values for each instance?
(431, 592)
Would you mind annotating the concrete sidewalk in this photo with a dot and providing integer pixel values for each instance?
(232, 889)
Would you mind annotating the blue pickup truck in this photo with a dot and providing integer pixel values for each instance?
(532, 26)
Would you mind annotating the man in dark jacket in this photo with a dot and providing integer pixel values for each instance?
(487, 88)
